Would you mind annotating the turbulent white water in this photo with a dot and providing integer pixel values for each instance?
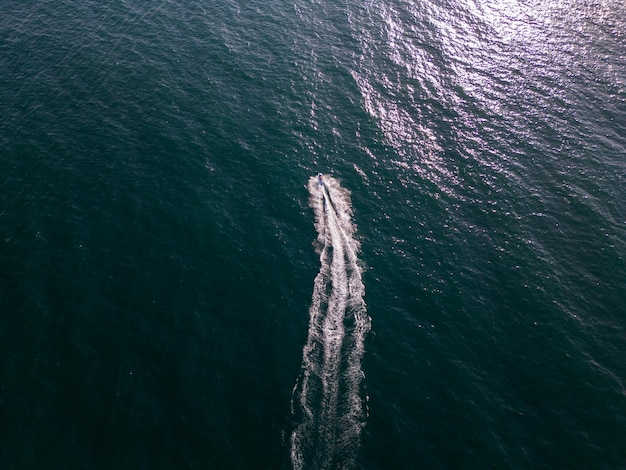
(327, 399)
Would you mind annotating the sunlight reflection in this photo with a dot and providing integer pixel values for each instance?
(432, 75)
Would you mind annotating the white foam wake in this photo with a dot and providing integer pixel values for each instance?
(327, 400)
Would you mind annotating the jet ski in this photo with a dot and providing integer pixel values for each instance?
(320, 179)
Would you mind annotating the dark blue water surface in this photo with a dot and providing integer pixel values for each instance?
(157, 264)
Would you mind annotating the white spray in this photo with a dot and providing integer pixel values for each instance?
(327, 399)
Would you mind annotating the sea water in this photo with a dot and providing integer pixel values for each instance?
(177, 291)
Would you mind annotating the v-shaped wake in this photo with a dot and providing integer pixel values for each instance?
(327, 399)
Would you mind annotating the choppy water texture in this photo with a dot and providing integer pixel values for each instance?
(161, 304)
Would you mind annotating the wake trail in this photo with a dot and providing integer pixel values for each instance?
(327, 401)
